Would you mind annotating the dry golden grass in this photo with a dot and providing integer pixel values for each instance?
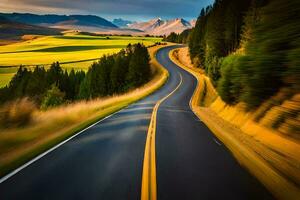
(18, 145)
(272, 157)
(17, 113)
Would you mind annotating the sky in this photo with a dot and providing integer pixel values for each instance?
(136, 10)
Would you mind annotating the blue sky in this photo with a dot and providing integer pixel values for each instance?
(137, 10)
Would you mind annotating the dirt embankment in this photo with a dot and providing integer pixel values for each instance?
(266, 141)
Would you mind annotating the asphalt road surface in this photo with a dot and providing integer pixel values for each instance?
(105, 161)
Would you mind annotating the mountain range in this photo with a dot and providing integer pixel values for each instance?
(11, 30)
(89, 23)
(162, 27)
(33, 24)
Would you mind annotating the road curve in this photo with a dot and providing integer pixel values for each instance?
(105, 161)
(190, 162)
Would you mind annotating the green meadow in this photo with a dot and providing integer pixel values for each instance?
(72, 51)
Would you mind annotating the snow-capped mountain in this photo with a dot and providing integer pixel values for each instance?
(193, 22)
(162, 27)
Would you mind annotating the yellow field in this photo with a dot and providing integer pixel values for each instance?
(72, 51)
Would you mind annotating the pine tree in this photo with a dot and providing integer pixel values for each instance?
(139, 68)
(85, 87)
(118, 72)
(54, 74)
(37, 85)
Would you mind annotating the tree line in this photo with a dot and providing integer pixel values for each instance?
(112, 74)
(178, 37)
(249, 49)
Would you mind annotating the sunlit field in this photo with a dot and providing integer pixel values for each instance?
(72, 51)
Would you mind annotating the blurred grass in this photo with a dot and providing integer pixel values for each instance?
(48, 128)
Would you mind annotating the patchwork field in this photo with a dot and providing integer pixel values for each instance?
(72, 51)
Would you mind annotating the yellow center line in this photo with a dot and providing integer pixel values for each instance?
(149, 166)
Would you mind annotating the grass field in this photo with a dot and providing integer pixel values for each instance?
(72, 51)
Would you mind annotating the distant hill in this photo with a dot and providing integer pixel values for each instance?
(162, 27)
(10, 30)
(78, 22)
(122, 23)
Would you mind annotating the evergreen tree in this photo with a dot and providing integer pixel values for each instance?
(100, 77)
(173, 37)
(111, 74)
(79, 77)
(139, 68)
(37, 85)
(19, 82)
(268, 54)
(118, 72)
(85, 87)
(54, 74)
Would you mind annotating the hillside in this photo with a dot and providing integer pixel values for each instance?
(10, 30)
(79, 22)
(122, 23)
(162, 27)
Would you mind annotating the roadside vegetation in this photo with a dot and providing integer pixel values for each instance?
(30, 127)
(113, 74)
(244, 55)
(252, 58)
(248, 55)
(178, 37)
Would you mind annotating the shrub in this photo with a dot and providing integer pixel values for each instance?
(213, 69)
(17, 113)
(229, 85)
(54, 97)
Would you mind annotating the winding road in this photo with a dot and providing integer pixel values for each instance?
(106, 160)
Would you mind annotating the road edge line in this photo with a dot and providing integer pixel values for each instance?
(4, 178)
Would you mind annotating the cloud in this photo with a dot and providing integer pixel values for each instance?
(142, 8)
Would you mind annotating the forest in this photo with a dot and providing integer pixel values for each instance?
(247, 54)
(178, 38)
(112, 74)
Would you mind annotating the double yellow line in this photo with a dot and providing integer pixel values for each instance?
(149, 190)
